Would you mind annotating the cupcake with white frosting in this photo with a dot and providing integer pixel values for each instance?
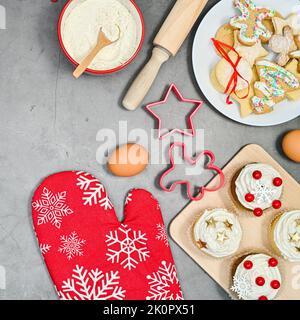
(258, 187)
(217, 233)
(257, 277)
(286, 235)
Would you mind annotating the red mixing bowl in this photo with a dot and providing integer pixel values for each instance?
(134, 9)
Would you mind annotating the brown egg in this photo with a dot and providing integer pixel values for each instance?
(128, 160)
(291, 145)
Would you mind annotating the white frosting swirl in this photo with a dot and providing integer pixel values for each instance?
(219, 231)
(263, 189)
(244, 280)
(287, 235)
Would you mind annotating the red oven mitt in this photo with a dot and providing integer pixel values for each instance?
(90, 255)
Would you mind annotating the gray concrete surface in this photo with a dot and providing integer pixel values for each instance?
(49, 122)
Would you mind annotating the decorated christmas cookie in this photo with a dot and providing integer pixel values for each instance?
(244, 43)
(283, 45)
(257, 277)
(218, 233)
(89, 254)
(258, 187)
(274, 83)
(250, 22)
(286, 235)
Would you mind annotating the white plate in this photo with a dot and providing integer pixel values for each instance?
(205, 57)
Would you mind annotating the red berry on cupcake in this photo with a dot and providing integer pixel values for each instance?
(275, 284)
(260, 281)
(257, 174)
(248, 264)
(277, 182)
(249, 197)
(273, 262)
(258, 212)
(276, 204)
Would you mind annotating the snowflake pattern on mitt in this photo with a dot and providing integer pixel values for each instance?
(164, 284)
(94, 192)
(52, 208)
(71, 245)
(127, 247)
(92, 285)
(162, 234)
(45, 248)
(90, 255)
(128, 198)
(242, 287)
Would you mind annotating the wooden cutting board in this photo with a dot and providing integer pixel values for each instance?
(255, 230)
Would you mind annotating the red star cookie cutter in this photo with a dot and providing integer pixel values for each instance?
(210, 166)
(197, 103)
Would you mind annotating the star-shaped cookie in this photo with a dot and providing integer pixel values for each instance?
(251, 54)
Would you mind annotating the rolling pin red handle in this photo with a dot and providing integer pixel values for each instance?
(145, 79)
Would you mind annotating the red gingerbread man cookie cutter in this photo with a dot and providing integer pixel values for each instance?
(192, 161)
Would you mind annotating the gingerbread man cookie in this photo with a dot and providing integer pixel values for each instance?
(250, 23)
(274, 83)
(283, 45)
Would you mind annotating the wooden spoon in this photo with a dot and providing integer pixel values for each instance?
(102, 42)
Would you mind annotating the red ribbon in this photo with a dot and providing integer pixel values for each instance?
(232, 84)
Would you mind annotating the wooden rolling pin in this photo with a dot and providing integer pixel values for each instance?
(166, 44)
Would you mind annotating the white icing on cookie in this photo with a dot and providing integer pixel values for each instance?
(263, 189)
(287, 235)
(250, 22)
(275, 82)
(245, 279)
(219, 231)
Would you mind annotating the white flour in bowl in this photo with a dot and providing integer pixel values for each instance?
(81, 25)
